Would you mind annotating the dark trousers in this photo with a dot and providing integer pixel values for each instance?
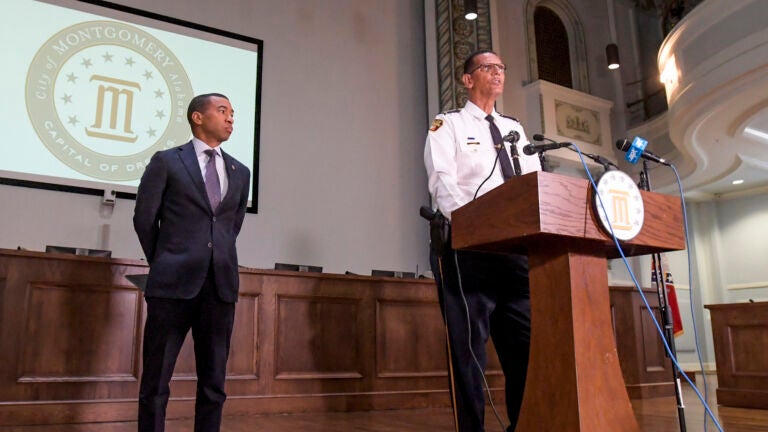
(495, 303)
(168, 322)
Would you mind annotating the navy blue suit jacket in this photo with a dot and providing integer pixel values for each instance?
(179, 232)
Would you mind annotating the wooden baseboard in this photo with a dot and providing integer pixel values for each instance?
(651, 390)
(691, 376)
(63, 412)
(742, 398)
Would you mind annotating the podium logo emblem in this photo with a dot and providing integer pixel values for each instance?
(619, 205)
(104, 96)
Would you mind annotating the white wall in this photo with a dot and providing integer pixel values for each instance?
(743, 225)
(343, 126)
(728, 266)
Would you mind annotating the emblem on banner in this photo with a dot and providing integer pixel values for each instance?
(104, 96)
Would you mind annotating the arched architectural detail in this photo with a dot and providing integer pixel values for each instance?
(577, 46)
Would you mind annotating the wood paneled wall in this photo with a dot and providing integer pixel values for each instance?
(70, 343)
(644, 363)
(740, 335)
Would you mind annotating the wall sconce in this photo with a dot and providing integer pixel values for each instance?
(470, 9)
(612, 56)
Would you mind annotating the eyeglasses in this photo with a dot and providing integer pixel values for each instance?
(490, 67)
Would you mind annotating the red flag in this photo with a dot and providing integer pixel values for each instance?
(674, 309)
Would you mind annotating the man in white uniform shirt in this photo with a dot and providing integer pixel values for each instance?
(492, 298)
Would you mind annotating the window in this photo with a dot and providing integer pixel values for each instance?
(554, 59)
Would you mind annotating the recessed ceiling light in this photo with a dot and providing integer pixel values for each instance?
(738, 182)
(756, 133)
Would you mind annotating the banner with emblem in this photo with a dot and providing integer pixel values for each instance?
(96, 92)
(674, 308)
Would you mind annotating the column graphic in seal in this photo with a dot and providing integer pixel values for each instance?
(104, 96)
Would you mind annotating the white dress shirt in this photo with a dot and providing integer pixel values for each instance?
(459, 155)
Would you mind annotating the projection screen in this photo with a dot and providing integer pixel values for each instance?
(94, 89)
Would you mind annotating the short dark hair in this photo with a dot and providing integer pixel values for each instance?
(469, 62)
(199, 102)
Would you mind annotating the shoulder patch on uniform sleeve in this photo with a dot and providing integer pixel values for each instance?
(509, 117)
(436, 125)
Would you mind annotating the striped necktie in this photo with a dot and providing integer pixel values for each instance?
(212, 184)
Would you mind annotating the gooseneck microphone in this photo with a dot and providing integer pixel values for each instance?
(532, 149)
(512, 138)
(635, 149)
(606, 163)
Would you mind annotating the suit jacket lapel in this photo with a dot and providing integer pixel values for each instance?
(189, 159)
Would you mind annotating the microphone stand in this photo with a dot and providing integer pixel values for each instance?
(544, 163)
(515, 158)
(664, 310)
(605, 163)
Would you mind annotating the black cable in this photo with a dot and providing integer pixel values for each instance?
(493, 168)
(469, 342)
(448, 342)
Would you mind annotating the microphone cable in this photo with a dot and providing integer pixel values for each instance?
(448, 342)
(476, 362)
(493, 168)
(703, 398)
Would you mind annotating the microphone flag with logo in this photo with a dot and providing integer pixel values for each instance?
(674, 308)
(636, 149)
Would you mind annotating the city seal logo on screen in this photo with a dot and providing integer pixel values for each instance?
(105, 96)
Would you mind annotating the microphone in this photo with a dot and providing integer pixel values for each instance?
(606, 163)
(532, 149)
(512, 137)
(635, 150)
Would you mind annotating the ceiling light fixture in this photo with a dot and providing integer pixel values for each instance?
(470, 9)
(612, 56)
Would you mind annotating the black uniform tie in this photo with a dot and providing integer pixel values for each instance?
(506, 166)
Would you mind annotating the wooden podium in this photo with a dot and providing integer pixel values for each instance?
(574, 380)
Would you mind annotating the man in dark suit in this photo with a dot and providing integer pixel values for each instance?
(189, 209)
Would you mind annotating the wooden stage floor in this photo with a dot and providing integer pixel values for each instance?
(653, 415)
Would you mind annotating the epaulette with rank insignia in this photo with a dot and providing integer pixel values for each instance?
(509, 117)
(453, 111)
